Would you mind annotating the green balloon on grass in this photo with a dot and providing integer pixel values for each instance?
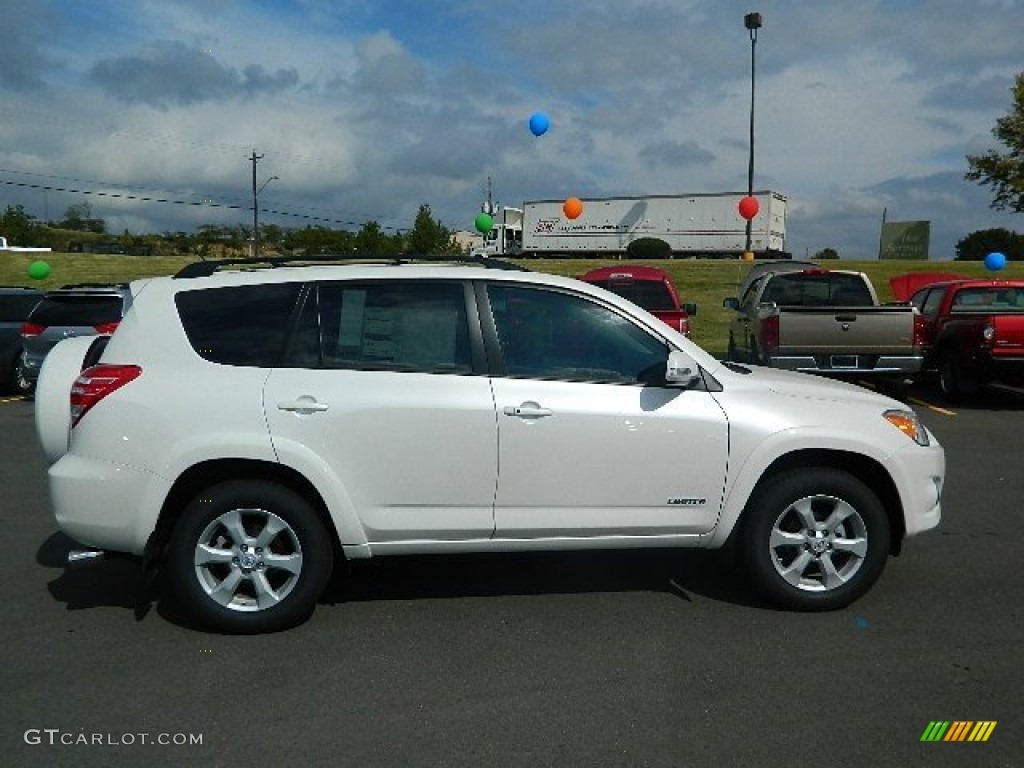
(484, 223)
(38, 270)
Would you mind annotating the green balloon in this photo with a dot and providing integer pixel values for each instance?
(484, 223)
(38, 270)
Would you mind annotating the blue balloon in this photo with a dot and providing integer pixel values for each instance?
(539, 123)
(995, 261)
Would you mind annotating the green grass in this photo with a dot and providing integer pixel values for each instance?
(704, 282)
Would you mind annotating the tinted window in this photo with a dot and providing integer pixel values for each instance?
(817, 289)
(14, 307)
(78, 310)
(385, 325)
(989, 299)
(242, 325)
(649, 294)
(932, 302)
(551, 335)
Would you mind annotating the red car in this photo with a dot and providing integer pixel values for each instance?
(973, 333)
(647, 287)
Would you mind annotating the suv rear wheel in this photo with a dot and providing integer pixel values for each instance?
(816, 540)
(249, 556)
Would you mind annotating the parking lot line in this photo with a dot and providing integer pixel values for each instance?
(15, 399)
(932, 407)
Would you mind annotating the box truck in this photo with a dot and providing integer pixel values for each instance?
(704, 225)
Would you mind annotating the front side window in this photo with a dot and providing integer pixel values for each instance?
(552, 335)
(384, 325)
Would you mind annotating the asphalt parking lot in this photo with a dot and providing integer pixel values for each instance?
(592, 659)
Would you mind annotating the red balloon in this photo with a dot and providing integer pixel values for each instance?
(572, 208)
(749, 207)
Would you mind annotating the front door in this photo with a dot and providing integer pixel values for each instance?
(585, 447)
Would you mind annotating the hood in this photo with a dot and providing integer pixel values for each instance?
(804, 385)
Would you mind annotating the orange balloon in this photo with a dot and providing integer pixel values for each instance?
(572, 208)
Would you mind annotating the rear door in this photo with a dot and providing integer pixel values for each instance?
(384, 384)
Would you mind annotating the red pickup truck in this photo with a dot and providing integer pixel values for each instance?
(647, 287)
(973, 333)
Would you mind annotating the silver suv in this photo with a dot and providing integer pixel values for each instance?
(74, 310)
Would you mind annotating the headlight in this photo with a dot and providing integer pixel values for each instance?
(907, 423)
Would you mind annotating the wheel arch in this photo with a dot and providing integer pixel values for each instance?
(208, 473)
(864, 468)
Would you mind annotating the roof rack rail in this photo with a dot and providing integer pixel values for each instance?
(76, 286)
(207, 268)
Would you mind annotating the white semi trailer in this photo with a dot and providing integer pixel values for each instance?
(705, 225)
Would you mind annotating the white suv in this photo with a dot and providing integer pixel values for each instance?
(246, 430)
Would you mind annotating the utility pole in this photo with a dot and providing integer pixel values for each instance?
(254, 244)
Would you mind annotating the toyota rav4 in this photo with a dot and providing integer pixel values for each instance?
(246, 431)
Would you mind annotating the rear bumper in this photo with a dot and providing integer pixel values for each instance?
(105, 505)
(852, 364)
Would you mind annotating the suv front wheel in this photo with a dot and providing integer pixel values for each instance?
(816, 539)
(249, 556)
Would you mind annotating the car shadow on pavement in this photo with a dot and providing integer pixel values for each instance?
(118, 583)
(123, 583)
(681, 573)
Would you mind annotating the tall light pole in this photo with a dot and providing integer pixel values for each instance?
(752, 21)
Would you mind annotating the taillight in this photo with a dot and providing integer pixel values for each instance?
(988, 332)
(770, 334)
(31, 329)
(684, 326)
(95, 383)
(918, 330)
(106, 329)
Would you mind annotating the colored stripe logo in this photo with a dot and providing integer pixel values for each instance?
(958, 730)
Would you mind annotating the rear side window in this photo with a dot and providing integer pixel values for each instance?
(78, 310)
(384, 326)
(240, 325)
(649, 294)
(816, 289)
(15, 307)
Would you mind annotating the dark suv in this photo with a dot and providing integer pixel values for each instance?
(15, 305)
(74, 310)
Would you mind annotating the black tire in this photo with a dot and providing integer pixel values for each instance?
(815, 539)
(954, 382)
(732, 354)
(241, 572)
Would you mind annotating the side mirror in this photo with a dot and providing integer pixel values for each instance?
(690, 309)
(731, 303)
(681, 370)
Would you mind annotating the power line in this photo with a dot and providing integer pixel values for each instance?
(193, 203)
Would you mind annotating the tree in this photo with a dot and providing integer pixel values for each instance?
(429, 237)
(1005, 173)
(977, 245)
(79, 218)
(18, 227)
(827, 253)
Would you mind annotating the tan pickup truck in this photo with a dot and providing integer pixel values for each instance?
(799, 316)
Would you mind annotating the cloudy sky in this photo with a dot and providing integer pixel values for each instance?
(366, 109)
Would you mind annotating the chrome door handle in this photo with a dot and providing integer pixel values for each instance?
(304, 405)
(527, 411)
